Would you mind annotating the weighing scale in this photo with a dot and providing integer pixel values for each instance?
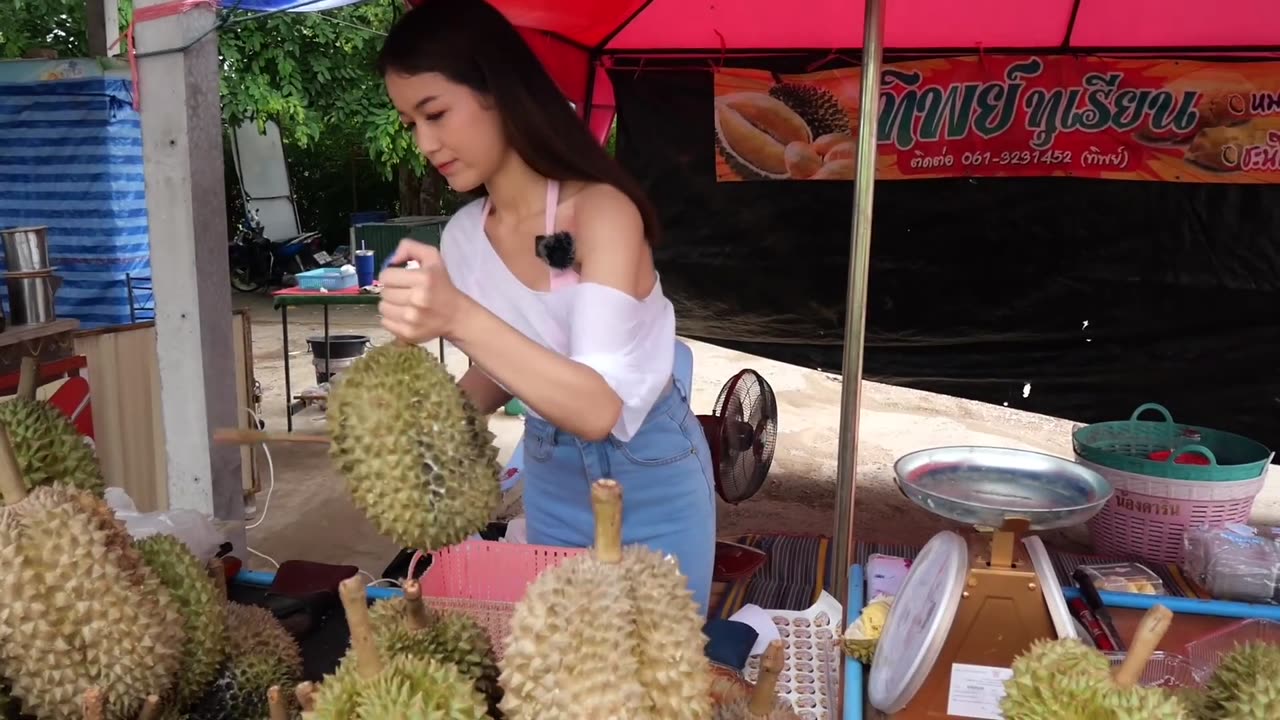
(973, 602)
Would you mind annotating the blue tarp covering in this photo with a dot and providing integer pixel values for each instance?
(71, 159)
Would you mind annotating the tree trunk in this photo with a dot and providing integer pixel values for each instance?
(423, 195)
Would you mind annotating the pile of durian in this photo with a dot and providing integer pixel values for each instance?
(94, 623)
(1068, 680)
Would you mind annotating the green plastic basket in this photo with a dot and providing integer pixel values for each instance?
(1126, 446)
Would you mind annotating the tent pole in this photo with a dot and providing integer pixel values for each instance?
(856, 304)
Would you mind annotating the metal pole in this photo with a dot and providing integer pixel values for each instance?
(856, 305)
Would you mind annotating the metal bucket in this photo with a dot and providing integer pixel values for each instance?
(31, 297)
(26, 249)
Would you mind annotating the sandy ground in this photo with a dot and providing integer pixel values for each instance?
(310, 516)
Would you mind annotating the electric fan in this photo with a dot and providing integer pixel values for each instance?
(742, 431)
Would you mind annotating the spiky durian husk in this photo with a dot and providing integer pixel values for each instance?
(819, 108)
(726, 693)
(80, 609)
(254, 632)
(1140, 704)
(449, 637)
(407, 688)
(403, 438)
(1258, 699)
(1237, 671)
(48, 447)
(239, 691)
(203, 611)
(860, 649)
(572, 647)
(1052, 675)
(672, 649)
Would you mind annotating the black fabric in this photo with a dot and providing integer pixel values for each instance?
(1102, 295)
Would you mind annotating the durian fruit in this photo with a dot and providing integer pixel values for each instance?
(763, 701)
(610, 634)
(1067, 680)
(47, 445)
(820, 109)
(261, 654)
(860, 639)
(367, 687)
(406, 626)
(78, 607)
(203, 608)
(411, 450)
(1245, 685)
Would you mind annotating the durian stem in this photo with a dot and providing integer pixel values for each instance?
(93, 704)
(354, 601)
(150, 708)
(276, 703)
(766, 689)
(239, 436)
(28, 378)
(415, 616)
(606, 500)
(12, 488)
(218, 572)
(1151, 630)
(306, 694)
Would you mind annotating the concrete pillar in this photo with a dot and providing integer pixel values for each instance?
(186, 208)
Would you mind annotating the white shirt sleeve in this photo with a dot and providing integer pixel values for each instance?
(610, 332)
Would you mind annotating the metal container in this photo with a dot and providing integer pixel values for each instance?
(31, 297)
(26, 249)
(985, 486)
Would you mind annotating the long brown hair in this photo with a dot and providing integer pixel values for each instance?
(471, 43)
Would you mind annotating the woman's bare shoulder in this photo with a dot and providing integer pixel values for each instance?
(603, 213)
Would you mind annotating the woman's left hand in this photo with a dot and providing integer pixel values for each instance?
(421, 304)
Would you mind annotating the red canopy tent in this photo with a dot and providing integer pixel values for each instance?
(577, 38)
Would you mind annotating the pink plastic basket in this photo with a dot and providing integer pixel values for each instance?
(486, 579)
(1147, 517)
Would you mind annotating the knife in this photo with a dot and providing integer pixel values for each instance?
(1090, 594)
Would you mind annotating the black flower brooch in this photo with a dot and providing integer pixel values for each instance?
(555, 250)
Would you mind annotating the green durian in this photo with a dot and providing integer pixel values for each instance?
(450, 637)
(1239, 680)
(240, 690)
(414, 458)
(406, 688)
(254, 631)
(1053, 674)
(1140, 703)
(203, 609)
(818, 107)
(48, 446)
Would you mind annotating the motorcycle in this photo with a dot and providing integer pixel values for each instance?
(258, 261)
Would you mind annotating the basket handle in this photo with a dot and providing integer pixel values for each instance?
(1173, 457)
(1152, 406)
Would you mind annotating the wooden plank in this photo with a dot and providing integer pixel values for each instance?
(46, 342)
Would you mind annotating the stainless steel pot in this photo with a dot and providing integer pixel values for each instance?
(31, 297)
(26, 249)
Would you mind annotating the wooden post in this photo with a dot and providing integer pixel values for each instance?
(102, 23)
(186, 209)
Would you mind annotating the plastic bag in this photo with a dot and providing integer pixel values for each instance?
(194, 529)
(1233, 563)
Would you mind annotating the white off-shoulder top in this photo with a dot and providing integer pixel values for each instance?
(628, 341)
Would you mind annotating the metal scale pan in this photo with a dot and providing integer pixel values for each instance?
(1003, 493)
(986, 486)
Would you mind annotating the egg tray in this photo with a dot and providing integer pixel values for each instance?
(810, 675)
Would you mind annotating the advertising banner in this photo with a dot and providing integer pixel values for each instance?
(984, 116)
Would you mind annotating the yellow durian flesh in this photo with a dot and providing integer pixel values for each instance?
(413, 453)
(614, 633)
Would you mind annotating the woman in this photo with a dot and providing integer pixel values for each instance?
(587, 345)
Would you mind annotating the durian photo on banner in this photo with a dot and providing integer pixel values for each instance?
(992, 116)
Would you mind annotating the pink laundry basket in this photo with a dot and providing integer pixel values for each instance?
(1147, 517)
(486, 579)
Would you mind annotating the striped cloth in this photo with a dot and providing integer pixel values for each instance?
(71, 159)
(799, 567)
